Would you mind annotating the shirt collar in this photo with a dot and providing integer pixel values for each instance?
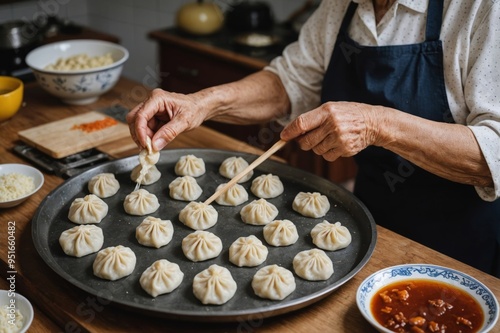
(416, 5)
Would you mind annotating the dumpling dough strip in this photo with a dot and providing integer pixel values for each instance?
(277, 146)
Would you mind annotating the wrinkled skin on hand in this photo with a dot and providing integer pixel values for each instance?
(334, 129)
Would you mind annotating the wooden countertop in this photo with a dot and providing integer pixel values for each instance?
(71, 309)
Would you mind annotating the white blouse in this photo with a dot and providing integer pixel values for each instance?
(471, 40)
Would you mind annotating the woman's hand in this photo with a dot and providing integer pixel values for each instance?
(334, 129)
(163, 116)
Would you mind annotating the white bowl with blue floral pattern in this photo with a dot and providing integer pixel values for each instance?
(77, 87)
(372, 284)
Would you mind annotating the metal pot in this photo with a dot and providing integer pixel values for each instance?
(249, 16)
(18, 34)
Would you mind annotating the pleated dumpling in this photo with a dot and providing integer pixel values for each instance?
(313, 265)
(81, 240)
(232, 166)
(104, 185)
(151, 176)
(140, 202)
(267, 186)
(190, 165)
(185, 188)
(154, 232)
(198, 215)
(247, 252)
(214, 285)
(259, 212)
(234, 196)
(273, 282)
(331, 236)
(114, 262)
(201, 245)
(146, 168)
(162, 277)
(280, 233)
(311, 204)
(89, 209)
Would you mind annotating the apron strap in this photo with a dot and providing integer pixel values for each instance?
(434, 20)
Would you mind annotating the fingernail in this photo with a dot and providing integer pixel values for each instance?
(159, 144)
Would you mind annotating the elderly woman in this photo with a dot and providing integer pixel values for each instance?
(410, 88)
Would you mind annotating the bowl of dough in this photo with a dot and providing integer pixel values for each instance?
(78, 71)
(16, 312)
(18, 182)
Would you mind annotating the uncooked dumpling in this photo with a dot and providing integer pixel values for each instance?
(198, 215)
(201, 245)
(267, 186)
(280, 233)
(331, 236)
(154, 232)
(233, 196)
(147, 160)
(247, 252)
(114, 262)
(190, 165)
(232, 166)
(140, 202)
(273, 282)
(313, 265)
(259, 212)
(162, 277)
(89, 209)
(214, 285)
(104, 185)
(81, 240)
(311, 204)
(185, 188)
(152, 175)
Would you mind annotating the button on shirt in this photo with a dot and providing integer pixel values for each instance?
(471, 41)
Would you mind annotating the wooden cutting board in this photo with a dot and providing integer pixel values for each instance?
(71, 135)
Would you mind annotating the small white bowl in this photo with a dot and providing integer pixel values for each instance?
(372, 284)
(27, 171)
(21, 303)
(77, 87)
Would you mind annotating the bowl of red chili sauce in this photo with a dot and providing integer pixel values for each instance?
(421, 298)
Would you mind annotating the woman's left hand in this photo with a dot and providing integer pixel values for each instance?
(334, 129)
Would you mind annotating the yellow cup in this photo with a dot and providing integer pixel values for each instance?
(11, 96)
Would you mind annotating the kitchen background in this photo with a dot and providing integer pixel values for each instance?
(129, 20)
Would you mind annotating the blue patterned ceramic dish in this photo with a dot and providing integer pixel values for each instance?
(77, 86)
(369, 287)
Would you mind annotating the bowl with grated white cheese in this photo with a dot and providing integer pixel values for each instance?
(16, 312)
(17, 183)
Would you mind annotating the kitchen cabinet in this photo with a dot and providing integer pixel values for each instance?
(190, 63)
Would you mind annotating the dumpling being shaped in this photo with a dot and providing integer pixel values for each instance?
(151, 176)
(104, 185)
(114, 262)
(140, 202)
(198, 215)
(214, 285)
(154, 232)
(331, 236)
(232, 166)
(313, 265)
(273, 282)
(190, 165)
(89, 209)
(267, 186)
(201, 245)
(247, 252)
(280, 233)
(311, 204)
(185, 188)
(234, 196)
(259, 212)
(81, 240)
(147, 160)
(162, 277)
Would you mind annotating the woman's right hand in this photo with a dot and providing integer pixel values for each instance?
(163, 116)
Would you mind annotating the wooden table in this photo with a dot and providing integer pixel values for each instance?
(76, 311)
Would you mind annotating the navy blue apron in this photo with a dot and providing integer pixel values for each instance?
(444, 215)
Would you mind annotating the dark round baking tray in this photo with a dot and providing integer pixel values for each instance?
(51, 219)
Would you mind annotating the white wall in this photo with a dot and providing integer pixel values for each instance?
(130, 20)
